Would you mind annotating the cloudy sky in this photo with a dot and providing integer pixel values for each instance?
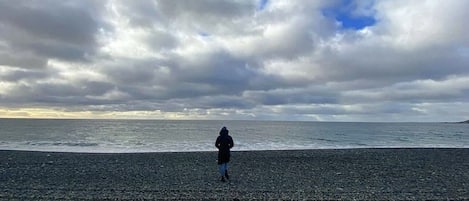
(330, 60)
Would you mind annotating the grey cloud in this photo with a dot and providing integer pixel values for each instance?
(187, 17)
(224, 74)
(385, 111)
(452, 89)
(386, 65)
(161, 41)
(25, 60)
(219, 58)
(60, 51)
(54, 29)
(289, 41)
(218, 101)
(144, 79)
(226, 102)
(142, 13)
(212, 15)
(55, 94)
(206, 9)
(15, 75)
(292, 96)
(179, 78)
(286, 33)
(128, 73)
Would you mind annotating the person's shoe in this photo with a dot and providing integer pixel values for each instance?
(222, 179)
(226, 175)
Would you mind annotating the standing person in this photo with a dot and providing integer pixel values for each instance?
(224, 143)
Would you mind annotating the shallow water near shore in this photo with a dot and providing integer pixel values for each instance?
(127, 136)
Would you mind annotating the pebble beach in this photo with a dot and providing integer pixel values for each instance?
(341, 174)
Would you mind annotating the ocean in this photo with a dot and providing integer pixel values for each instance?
(129, 136)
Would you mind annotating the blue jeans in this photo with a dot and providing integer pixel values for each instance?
(223, 168)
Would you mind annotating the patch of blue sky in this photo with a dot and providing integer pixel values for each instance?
(355, 22)
(262, 4)
(345, 14)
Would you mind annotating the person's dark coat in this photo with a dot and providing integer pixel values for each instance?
(224, 143)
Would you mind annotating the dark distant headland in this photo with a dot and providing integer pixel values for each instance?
(464, 122)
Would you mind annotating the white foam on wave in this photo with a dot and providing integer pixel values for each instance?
(200, 146)
(105, 147)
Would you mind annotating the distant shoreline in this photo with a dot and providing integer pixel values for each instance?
(260, 120)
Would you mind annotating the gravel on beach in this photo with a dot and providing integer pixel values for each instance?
(342, 174)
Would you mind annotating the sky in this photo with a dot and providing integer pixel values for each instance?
(308, 60)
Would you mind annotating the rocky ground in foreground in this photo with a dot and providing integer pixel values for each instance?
(347, 174)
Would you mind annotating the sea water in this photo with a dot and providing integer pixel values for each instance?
(123, 136)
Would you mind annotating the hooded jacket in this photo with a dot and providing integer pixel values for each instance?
(224, 143)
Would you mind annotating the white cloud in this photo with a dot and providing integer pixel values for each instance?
(424, 24)
(229, 59)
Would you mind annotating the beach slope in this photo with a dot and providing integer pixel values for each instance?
(364, 174)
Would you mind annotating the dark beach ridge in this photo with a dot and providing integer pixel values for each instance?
(347, 174)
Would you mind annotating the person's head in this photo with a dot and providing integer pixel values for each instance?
(224, 131)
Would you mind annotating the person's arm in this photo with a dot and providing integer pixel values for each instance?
(231, 142)
(217, 143)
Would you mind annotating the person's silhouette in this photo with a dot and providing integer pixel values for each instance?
(224, 143)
